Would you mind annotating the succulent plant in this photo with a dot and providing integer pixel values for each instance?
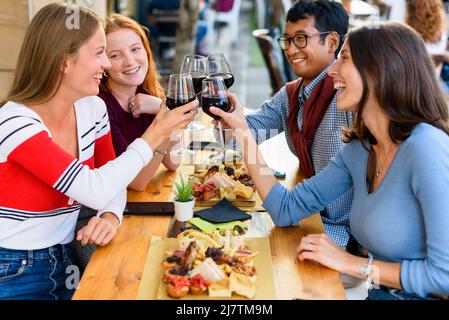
(184, 191)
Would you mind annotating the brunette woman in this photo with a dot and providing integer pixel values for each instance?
(396, 159)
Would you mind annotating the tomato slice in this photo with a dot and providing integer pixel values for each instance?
(179, 282)
(199, 281)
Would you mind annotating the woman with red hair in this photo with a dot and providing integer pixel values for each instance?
(132, 92)
(429, 20)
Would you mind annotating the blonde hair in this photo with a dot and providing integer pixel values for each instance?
(48, 42)
(151, 83)
(427, 18)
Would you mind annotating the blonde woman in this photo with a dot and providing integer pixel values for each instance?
(56, 154)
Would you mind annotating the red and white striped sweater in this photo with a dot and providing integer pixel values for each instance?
(42, 187)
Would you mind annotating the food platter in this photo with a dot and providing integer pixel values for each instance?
(153, 285)
(263, 282)
(216, 181)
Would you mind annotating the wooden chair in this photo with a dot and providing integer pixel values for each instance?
(164, 17)
(265, 42)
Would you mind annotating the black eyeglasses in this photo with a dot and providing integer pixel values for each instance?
(299, 40)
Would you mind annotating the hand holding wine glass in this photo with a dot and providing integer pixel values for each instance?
(167, 121)
(215, 95)
(233, 118)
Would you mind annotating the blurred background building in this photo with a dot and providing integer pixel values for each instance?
(244, 30)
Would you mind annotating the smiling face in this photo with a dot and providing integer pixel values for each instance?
(128, 58)
(310, 61)
(347, 81)
(83, 70)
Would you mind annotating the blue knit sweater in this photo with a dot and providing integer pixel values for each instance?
(406, 219)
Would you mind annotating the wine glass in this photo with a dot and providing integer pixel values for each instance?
(215, 94)
(180, 92)
(196, 66)
(217, 65)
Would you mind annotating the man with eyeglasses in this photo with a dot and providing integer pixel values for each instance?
(305, 109)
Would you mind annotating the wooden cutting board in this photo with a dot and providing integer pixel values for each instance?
(186, 171)
(152, 287)
(238, 202)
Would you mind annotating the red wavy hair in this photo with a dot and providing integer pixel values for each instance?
(427, 18)
(151, 83)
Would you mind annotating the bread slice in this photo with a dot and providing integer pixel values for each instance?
(220, 289)
(228, 193)
(242, 285)
(243, 191)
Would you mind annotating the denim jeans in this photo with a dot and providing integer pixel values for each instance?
(35, 274)
(385, 293)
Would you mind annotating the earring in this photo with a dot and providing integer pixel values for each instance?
(105, 73)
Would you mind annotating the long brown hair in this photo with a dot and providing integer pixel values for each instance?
(48, 42)
(151, 83)
(394, 57)
(427, 18)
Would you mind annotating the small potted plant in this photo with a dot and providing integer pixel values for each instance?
(184, 200)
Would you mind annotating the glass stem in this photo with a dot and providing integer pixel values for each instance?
(220, 128)
(183, 143)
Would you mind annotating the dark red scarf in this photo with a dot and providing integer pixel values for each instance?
(313, 112)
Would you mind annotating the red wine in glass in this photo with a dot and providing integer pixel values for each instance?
(196, 66)
(217, 102)
(174, 102)
(180, 92)
(217, 65)
(197, 79)
(227, 77)
(215, 94)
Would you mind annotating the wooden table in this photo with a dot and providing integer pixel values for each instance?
(115, 271)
